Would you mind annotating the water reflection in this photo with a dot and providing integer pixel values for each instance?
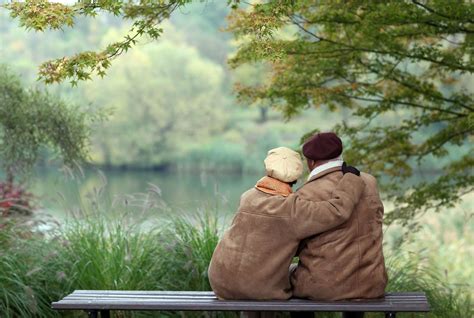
(181, 192)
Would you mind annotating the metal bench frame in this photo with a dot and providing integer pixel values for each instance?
(96, 302)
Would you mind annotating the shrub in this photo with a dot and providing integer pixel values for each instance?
(15, 199)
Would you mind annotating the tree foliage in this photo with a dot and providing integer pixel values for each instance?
(403, 69)
(31, 120)
(231, 138)
(400, 71)
(42, 14)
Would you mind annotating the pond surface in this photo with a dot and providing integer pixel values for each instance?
(179, 191)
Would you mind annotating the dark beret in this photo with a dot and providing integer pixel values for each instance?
(322, 146)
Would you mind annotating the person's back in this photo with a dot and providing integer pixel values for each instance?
(254, 246)
(252, 259)
(345, 262)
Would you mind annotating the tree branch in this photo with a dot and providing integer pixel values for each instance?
(443, 142)
(412, 87)
(405, 103)
(431, 10)
(392, 53)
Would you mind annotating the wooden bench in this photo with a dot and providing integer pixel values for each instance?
(102, 301)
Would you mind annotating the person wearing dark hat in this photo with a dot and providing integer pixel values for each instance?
(251, 260)
(322, 152)
(346, 261)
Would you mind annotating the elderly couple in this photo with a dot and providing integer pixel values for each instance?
(333, 223)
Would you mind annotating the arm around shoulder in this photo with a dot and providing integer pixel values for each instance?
(311, 217)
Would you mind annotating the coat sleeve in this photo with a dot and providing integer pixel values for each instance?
(309, 218)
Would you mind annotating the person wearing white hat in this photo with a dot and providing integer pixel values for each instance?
(252, 259)
(283, 167)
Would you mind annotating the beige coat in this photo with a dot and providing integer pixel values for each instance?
(251, 261)
(346, 261)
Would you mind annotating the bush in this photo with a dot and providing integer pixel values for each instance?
(15, 199)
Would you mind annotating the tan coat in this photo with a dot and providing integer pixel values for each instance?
(346, 261)
(252, 259)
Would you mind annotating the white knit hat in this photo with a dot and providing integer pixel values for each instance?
(283, 164)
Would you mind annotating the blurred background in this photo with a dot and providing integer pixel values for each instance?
(173, 119)
(174, 126)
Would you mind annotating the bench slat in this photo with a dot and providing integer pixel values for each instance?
(210, 295)
(144, 292)
(392, 298)
(196, 299)
(201, 303)
(239, 306)
(206, 301)
(177, 297)
(204, 293)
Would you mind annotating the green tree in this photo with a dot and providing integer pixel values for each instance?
(31, 120)
(402, 68)
(165, 99)
(39, 15)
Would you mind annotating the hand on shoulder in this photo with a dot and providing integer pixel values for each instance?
(349, 169)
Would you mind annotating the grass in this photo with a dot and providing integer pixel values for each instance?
(95, 252)
(408, 273)
(188, 246)
(99, 253)
(23, 278)
(445, 238)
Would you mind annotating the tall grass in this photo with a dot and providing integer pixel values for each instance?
(187, 250)
(410, 273)
(24, 279)
(99, 253)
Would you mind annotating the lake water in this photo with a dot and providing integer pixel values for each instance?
(178, 191)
